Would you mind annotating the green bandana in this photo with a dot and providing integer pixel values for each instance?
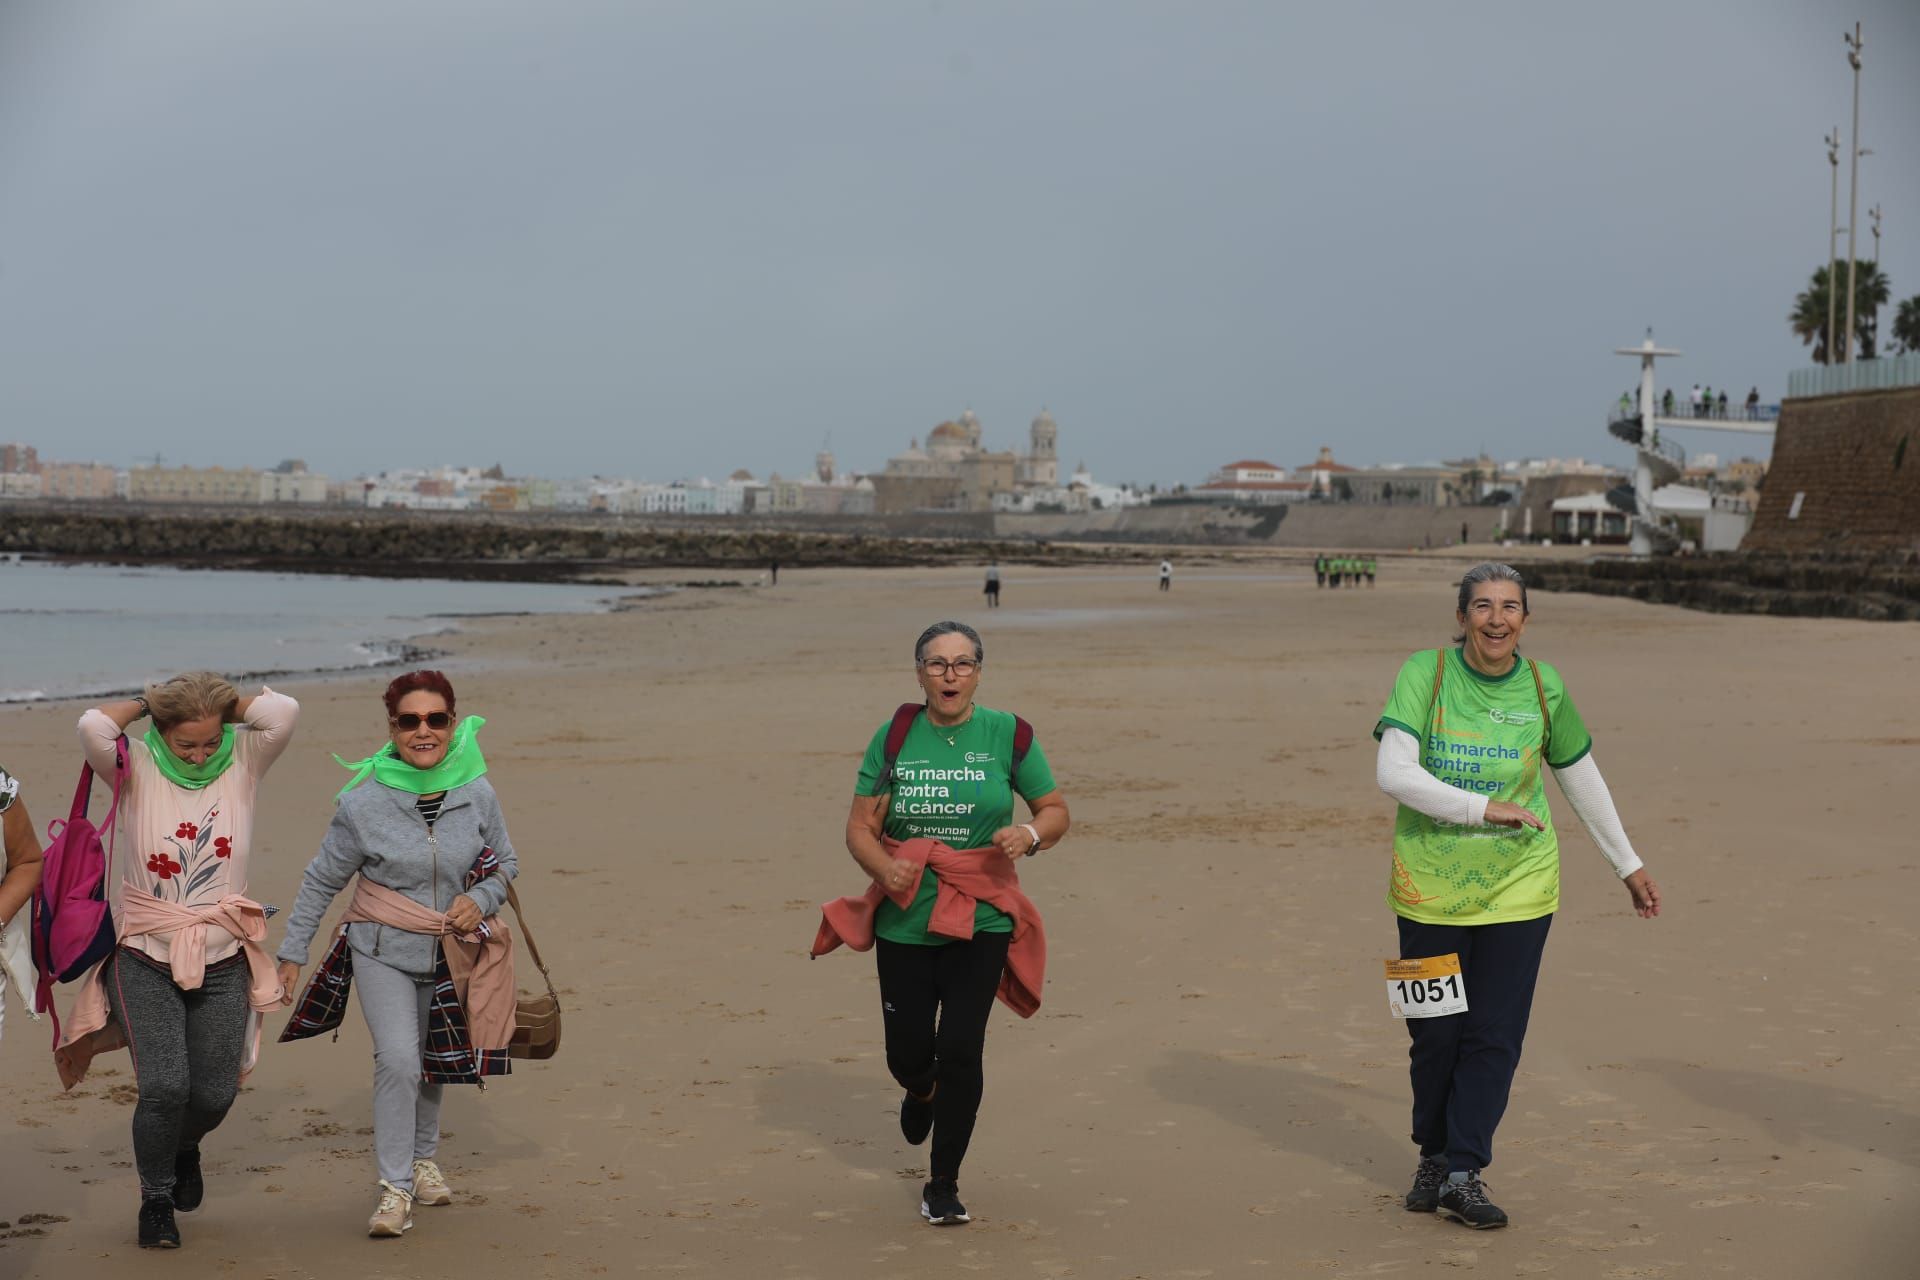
(461, 765)
(191, 776)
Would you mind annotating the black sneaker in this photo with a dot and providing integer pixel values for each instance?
(1427, 1181)
(916, 1117)
(189, 1188)
(157, 1229)
(940, 1203)
(1466, 1201)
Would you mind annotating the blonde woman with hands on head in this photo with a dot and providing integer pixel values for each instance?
(185, 987)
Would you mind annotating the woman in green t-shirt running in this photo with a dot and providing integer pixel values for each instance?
(953, 780)
(1476, 867)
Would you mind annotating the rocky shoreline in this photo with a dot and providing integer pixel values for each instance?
(413, 544)
(1874, 586)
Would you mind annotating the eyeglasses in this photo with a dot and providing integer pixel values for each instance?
(962, 667)
(408, 722)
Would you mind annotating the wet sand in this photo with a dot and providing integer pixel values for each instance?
(1214, 1087)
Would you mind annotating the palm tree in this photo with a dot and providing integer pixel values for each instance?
(1906, 324)
(1809, 316)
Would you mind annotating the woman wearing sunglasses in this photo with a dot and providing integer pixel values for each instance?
(932, 824)
(431, 849)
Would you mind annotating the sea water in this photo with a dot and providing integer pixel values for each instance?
(72, 630)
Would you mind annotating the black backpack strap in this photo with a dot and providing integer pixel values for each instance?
(903, 717)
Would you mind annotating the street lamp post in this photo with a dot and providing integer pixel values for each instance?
(1833, 240)
(1854, 45)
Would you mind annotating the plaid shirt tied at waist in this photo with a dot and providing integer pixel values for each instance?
(470, 1016)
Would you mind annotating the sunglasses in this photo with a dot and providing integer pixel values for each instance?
(408, 722)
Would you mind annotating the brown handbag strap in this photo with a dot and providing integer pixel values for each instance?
(1546, 716)
(533, 948)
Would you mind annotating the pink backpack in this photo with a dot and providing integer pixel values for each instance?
(72, 927)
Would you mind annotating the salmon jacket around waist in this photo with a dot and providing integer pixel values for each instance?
(378, 834)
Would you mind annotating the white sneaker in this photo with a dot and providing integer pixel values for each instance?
(430, 1185)
(394, 1214)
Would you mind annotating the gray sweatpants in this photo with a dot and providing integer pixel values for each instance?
(406, 1109)
(186, 1048)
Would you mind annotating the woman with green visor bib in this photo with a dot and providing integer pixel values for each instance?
(188, 981)
(1466, 739)
(421, 827)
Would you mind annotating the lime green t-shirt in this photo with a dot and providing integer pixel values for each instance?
(956, 792)
(1484, 734)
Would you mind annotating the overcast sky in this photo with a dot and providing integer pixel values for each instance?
(670, 239)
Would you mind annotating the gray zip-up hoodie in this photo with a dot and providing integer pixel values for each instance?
(377, 832)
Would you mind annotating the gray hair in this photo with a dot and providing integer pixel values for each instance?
(939, 629)
(1490, 571)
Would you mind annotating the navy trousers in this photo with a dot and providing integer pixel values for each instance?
(1462, 1065)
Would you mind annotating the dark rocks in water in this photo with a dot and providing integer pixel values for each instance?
(398, 544)
(1875, 586)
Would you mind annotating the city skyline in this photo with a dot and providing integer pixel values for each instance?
(596, 239)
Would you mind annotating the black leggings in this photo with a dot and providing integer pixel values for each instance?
(956, 981)
(187, 1047)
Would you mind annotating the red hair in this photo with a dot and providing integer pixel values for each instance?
(418, 682)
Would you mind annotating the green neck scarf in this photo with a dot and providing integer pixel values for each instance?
(461, 765)
(191, 776)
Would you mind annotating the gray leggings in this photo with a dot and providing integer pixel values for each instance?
(187, 1047)
(406, 1109)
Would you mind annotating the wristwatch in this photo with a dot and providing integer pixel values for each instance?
(145, 710)
(9, 790)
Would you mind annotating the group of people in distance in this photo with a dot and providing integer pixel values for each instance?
(1465, 738)
(1701, 403)
(1343, 570)
(187, 980)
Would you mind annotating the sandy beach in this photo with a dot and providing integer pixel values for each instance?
(1214, 1086)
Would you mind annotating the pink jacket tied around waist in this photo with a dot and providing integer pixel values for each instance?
(967, 877)
(480, 964)
(88, 1031)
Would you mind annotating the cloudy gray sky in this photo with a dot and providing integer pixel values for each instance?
(668, 239)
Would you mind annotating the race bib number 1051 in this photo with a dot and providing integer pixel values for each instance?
(1426, 988)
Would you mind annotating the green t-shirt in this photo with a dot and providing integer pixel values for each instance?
(956, 792)
(1484, 735)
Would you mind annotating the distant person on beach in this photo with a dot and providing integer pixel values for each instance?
(1753, 404)
(993, 585)
(1166, 575)
(16, 893)
(186, 986)
(1706, 399)
(1723, 402)
(1696, 399)
(773, 574)
(1463, 533)
(1667, 403)
(932, 824)
(1372, 564)
(1320, 570)
(1335, 566)
(1462, 739)
(430, 847)
(1626, 405)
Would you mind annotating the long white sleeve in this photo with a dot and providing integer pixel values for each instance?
(1592, 803)
(1397, 770)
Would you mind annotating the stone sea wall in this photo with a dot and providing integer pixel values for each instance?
(1845, 475)
(1877, 586)
(408, 544)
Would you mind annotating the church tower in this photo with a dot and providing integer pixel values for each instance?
(1043, 461)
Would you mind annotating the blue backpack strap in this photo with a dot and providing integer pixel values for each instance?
(903, 717)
